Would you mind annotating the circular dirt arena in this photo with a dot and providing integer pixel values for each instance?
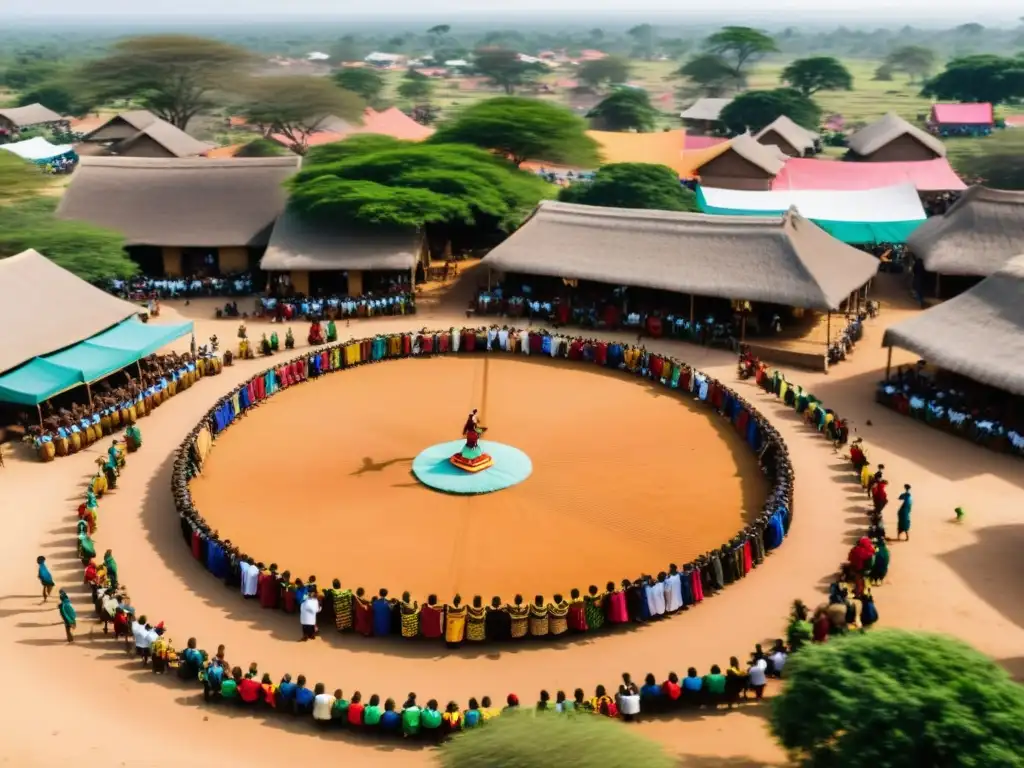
(627, 477)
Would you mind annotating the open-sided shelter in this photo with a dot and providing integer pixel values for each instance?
(976, 236)
(783, 259)
(978, 334)
(183, 216)
(345, 260)
(893, 139)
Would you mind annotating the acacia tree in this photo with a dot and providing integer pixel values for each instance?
(709, 72)
(632, 185)
(364, 81)
(740, 47)
(817, 73)
(504, 68)
(916, 61)
(753, 110)
(416, 89)
(610, 69)
(173, 76)
(377, 180)
(893, 699)
(522, 129)
(296, 106)
(627, 109)
(980, 78)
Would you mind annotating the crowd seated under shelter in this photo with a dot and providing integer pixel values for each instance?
(956, 405)
(334, 307)
(194, 286)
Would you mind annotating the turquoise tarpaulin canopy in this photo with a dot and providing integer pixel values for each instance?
(89, 360)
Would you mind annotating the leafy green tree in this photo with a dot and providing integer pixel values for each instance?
(363, 81)
(19, 178)
(63, 96)
(916, 61)
(645, 41)
(610, 69)
(979, 78)
(817, 73)
(31, 72)
(528, 740)
(626, 109)
(261, 148)
(632, 185)
(754, 110)
(504, 68)
(417, 91)
(893, 699)
(176, 77)
(740, 47)
(522, 129)
(710, 73)
(883, 73)
(376, 180)
(297, 105)
(998, 161)
(88, 251)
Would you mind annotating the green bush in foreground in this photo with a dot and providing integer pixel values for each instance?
(543, 740)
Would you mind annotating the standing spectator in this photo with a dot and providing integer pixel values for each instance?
(777, 659)
(756, 676)
(903, 514)
(45, 578)
(544, 702)
(308, 609)
(140, 631)
(67, 615)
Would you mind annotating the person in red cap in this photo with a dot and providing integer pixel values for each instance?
(511, 702)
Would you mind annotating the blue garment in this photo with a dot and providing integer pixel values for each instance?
(286, 691)
(218, 560)
(615, 355)
(774, 532)
(215, 674)
(44, 575)
(304, 696)
(651, 691)
(391, 720)
(381, 617)
(545, 345)
(693, 683)
(471, 718)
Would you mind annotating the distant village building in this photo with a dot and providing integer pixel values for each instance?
(961, 119)
(14, 120)
(385, 60)
(140, 133)
(317, 56)
(892, 139)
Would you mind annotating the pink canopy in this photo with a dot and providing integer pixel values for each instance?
(962, 114)
(809, 173)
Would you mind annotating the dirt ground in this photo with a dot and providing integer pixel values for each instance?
(97, 704)
(626, 479)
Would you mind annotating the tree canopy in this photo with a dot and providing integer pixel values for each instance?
(893, 699)
(88, 251)
(528, 740)
(645, 41)
(599, 72)
(174, 76)
(980, 78)
(523, 129)
(916, 61)
(998, 161)
(709, 72)
(632, 185)
(377, 180)
(740, 47)
(63, 96)
(504, 68)
(415, 87)
(261, 148)
(754, 110)
(363, 81)
(627, 109)
(297, 105)
(817, 73)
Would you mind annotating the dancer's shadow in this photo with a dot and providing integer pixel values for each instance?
(369, 465)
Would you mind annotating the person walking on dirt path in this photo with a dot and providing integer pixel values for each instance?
(903, 514)
(67, 615)
(45, 578)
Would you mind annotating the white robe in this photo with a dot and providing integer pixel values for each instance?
(673, 592)
(658, 594)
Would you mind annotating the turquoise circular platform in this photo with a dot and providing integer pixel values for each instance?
(434, 469)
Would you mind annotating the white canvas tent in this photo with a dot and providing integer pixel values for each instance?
(37, 149)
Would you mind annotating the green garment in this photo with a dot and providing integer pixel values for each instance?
(67, 612)
(880, 567)
(112, 455)
(714, 684)
(229, 689)
(411, 721)
(274, 343)
(332, 331)
(86, 545)
(111, 565)
(134, 433)
(371, 715)
(431, 719)
(340, 710)
(90, 499)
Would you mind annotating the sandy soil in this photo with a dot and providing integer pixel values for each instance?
(625, 481)
(961, 579)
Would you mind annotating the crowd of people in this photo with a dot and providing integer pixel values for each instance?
(283, 309)
(958, 407)
(190, 287)
(583, 609)
(113, 406)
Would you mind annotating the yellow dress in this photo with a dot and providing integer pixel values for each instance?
(865, 476)
(454, 624)
(538, 621)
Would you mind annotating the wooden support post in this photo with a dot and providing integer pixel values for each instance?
(88, 391)
(691, 311)
(743, 327)
(888, 364)
(39, 410)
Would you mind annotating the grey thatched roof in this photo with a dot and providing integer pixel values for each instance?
(976, 236)
(191, 202)
(174, 140)
(136, 118)
(769, 158)
(705, 109)
(303, 245)
(783, 259)
(796, 135)
(31, 114)
(30, 282)
(978, 334)
(873, 137)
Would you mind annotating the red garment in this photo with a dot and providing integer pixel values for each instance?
(657, 366)
(364, 618)
(325, 361)
(267, 590)
(821, 628)
(601, 356)
(717, 395)
(249, 690)
(748, 558)
(90, 573)
(536, 344)
(81, 511)
(742, 420)
(856, 455)
(672, 690)
(698, 588)
(878, 493)
(355, 713)
(197, 545)
(654, 327)
(288, 598)
(562, 312)
(427, 346)
(617, 613)
(443, 342)
(469, 342)
(861, 554)
(430, 621)
(576, 350)
(611, 316)
(578, 616)
(406, 344)
(120, 624)
(684, 379)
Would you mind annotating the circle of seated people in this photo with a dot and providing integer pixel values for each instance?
(636, 599)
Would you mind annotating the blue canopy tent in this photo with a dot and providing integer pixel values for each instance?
(44, 377)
